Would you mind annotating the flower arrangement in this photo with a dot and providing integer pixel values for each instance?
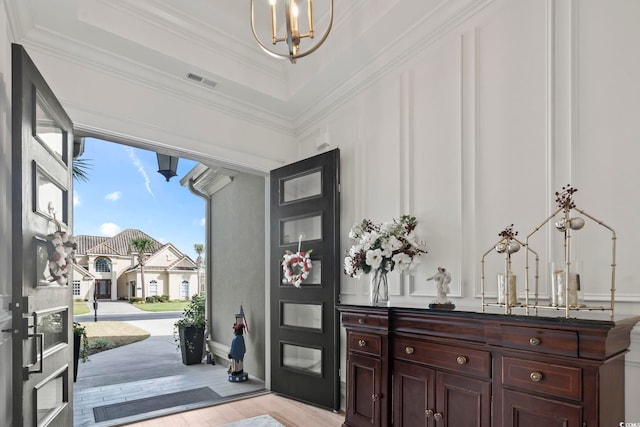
(62, 256)
(383, 247)
(296, 267)
(78, 329)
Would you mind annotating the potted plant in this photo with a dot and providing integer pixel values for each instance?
(191, 330)
(80, 347)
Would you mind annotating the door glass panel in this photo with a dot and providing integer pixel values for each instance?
(302, 315)
(52, 325)
(305, 359)
(49, 196)
(47, 131)
(43, 274)
(301, 187)
(315, 274)
(50, 396)
(305, 229)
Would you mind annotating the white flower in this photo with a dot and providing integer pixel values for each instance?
(387, 227)
(402, 261)
(368, 239)
(374, 258)
(355, 249)
(415, 262)
(348, 266)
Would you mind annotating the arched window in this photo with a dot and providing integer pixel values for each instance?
(153, 288)
(184, 290)
(103, 265)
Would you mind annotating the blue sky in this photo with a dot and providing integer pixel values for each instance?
(126, 191)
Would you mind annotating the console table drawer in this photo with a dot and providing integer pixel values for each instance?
(460, 359)
(543, 378)
(550, 341)
(365, 320)
(365, 343)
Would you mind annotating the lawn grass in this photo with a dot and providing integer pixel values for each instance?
(80, 308)
(105, 335)
(163, 306)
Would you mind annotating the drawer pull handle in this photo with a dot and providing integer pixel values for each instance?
(409, 350)
(534, 341)
(361, 320)
(437, 416)
(374, 397)
(461, 360)
(428, 413)
(535, 376)
(362, 343)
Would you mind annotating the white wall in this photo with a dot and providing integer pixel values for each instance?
(482, 126)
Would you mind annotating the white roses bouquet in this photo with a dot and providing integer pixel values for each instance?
(384, 247)
(62, 256)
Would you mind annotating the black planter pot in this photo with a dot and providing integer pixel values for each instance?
(76, 354)
(191, 344)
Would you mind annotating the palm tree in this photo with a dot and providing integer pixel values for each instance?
(143, 246)
(199, 248)
(80, 168)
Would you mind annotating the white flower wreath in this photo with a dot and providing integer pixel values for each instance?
(61, 258)
(296, 267)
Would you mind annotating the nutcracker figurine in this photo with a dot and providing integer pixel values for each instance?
(238, 349)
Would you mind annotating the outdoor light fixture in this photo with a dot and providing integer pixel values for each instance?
(293, 35)
(167, 166)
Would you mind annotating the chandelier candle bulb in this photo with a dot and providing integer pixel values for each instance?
(511, 290)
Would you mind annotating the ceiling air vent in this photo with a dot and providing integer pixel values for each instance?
(203, 81)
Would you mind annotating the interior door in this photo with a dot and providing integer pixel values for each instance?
(41, 196)
(304, 322)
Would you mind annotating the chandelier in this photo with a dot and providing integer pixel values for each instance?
(293, 35)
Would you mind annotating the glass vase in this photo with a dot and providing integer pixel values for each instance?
(378, 288)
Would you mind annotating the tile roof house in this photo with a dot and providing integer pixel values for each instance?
(108, 268)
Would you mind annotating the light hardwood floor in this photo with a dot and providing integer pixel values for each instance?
(290, 413)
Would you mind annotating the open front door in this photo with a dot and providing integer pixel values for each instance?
(304, 324)
(42, 363)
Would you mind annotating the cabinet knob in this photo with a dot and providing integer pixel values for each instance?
(535, 376)
(362, 343)
(361, 320)
(534, 341)
(409, 350)
(461, 360)
(374, 397)
(437, 416)
(428, 413)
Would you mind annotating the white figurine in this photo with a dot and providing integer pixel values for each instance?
(442, 279)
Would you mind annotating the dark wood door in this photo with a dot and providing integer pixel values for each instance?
(42, 138)
(413, 395)
(524, 410)
(304, 322)
(103, 289)
(364, 382)
(463, 401)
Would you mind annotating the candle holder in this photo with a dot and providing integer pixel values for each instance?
(506, 282)
(564, 277)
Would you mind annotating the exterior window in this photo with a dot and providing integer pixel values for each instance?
(103, 265)
(153, 288)
(76, 288)
(184, 290)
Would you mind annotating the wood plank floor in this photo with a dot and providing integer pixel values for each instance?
(290, 413)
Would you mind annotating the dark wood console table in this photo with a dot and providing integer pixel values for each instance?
(413, 367)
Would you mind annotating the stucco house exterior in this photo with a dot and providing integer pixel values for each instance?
(108, 268)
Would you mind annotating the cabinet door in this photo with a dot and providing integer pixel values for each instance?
(524, 410)
(364, 391)
(463, 401)
(413, 395)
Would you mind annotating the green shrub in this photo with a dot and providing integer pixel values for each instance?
(151, 299)
(134, 300)
(102, 343)
(163, 298)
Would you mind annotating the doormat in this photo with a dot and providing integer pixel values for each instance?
(155, 403)
(259, 421)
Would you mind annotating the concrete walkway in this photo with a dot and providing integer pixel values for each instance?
(114, 307)
(144, 369)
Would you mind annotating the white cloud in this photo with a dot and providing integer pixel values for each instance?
(202, 222)
(76, 199)
(138, 164)
(109, 229)
(113, 196)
